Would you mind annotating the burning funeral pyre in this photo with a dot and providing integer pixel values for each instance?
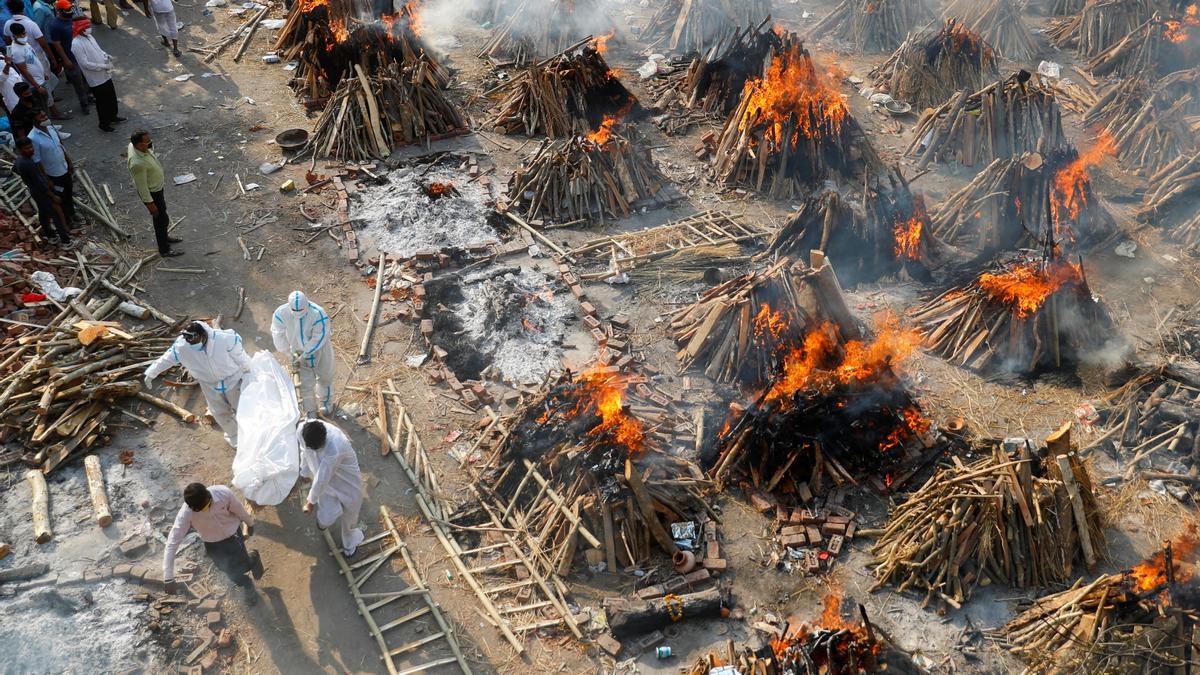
(1100, 25)
(601, 175)
(1149, 124)
(1028, 314)
(540, 28)
(891, 234)
(1000, 24)
(791, 128)
(1158, 46)
(566, 95)
(1028, 201)
(594, 454)
(1017, 517)
(872, 26)
(692, 26)
(1006, 118)
(933, 64)
(1140, 620)
(741, 330)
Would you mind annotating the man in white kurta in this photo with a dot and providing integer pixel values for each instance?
(337, 485)
(301, 331)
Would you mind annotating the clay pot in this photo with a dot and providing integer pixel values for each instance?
(684, 561)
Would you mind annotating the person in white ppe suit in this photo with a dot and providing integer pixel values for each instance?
(218, 362)
(337, 486)
(301, 330)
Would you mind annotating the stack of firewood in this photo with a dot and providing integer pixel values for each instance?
(872, 25)
(594, 177)
(537, 29)
(1148, 123)
(1155, 423)
(564, 95)
(1010, 518)
(1065, 7)
(687, 26)
(932, 64)
(791, 128)
(1027, 314)
(1140, 52)
(1006, 118)
(1176, 180)
(1000, 24)
(1100, 25)
(369, 116)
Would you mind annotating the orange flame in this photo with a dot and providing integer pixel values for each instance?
(337, 28)
(769, 324)
(1177, 29)
(794, 87)
(908, 237)
(414, 18)
(1027, 285)
(600, 136)
(600, 42)
(309, 5)
(1152, 572)
(1069, 195)
(831, 620)
(602, 394)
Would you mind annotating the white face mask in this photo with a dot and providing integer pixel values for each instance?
(20, 40)
(87, 32)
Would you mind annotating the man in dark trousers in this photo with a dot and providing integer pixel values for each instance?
(50, 215)
(56, 163)
(217, 515)
(28, 105)
(149, 179)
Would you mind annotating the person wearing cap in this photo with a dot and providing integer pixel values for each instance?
(97, 68)
(150, 182)
(163, 12)
(217, 361)
(50, 214)
(59, 32)
(300, 328)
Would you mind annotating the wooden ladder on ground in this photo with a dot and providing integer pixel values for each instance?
(390, 605)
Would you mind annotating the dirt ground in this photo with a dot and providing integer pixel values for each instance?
(219, 126)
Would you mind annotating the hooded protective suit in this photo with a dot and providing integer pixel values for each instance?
(301, 330)
(218, 366)
(337, 487)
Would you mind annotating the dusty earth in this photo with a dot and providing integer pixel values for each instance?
(218, 125)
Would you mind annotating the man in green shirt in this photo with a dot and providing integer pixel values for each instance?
(148, 177)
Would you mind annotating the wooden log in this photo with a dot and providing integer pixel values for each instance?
(646, 506)
(39, 506)
(628, 618)
(95, 479)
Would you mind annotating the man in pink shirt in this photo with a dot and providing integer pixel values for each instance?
(217, 516)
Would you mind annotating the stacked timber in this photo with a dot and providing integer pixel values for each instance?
(1154, 423)
(1143, 52)
(1012, 518)
(561, 96)
(693, 26)
(537, 29)
(1171, 185)
(872, 26)
(1000, 24)
(932, 64)
(1100, 25)
(1006, 118)
(367, 117)
(714, 80)
(1149, 123)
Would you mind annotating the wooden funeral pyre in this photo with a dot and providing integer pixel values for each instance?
(741, 330)
(791, 128)
(835, 409)
(1018, 517)
(1005, 118)
(1027, 314)
(886, 232)
(1149, 123)
(540, 28)
(1155, 417)
(1139, 620)
(933, 64)
(1028, 200)
(872, 26)
(1100, 25)
(594, 455)
(396, 106)
(687, 26)
(562, 96)
(1158, 46)
(1000, 24)
(1187, 233)
(603, 175)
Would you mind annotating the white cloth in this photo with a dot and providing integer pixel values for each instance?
(27, 55)
(9, 81)
(163, 6)
(96, 64)
(32, 31)
(218, 367)
(168, 25)
(302, 327)
(337, 487)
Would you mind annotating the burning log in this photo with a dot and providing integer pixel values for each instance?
(930, 66)
(1027, 200)
(601, 175)
(993, 511)
(740, 330)
(687, 26)
(1025, 315)
(1000, 24)
(367, 117)
(791, 128)
(562, 96)
(888, 232)
(1100, 25)
(1130, 621)
(1006, 118)
(541, 28)
(872, 26)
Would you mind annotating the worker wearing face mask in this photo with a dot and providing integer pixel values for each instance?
(218, 362)
(301, 330)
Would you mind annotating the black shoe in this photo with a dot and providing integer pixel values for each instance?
(256, 567)
(163, 39)
(171, 253)
(106, 127)
(174, 240)
(178, 54)
(118, 120)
